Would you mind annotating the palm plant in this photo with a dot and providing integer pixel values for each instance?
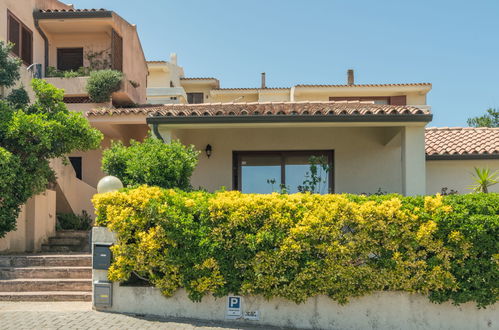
(484, 178)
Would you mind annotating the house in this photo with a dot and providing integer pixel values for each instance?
(53, 38)
(373, 136)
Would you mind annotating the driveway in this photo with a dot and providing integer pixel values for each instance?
(79, 315)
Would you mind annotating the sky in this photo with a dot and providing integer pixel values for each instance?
(452, 44)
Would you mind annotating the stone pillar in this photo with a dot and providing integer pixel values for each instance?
(413, 161)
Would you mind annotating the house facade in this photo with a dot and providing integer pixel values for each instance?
(362, 138)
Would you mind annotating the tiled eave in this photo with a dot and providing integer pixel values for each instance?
(267, 112)
(462, 143)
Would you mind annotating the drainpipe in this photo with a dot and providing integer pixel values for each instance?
(155, 130)
(46, 43)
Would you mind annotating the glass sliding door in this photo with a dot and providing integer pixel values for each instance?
(265, 172)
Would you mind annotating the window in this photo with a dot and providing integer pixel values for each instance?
(69, 59)
(21, 37)
(391, 100)
(194, 98)
(265, 172)
(77, 165)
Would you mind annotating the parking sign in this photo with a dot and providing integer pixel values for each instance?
(234, 307)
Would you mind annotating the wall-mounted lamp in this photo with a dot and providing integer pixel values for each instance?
(208, 150)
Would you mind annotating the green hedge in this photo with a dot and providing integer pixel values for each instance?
(301, 245)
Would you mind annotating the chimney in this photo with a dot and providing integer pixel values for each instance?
(263, 80)
(350, 79)
(173, 58)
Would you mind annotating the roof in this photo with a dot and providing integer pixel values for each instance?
(157, 62)
(368, 85)
(198, 78)
(462, 143)
(271, 112)
(72, 13)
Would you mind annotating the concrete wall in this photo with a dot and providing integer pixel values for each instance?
(362, 163)
(456, 174)
(381, 310)
(35, 224)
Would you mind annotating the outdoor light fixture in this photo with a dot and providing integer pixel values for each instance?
(208, 150)
(108, 184)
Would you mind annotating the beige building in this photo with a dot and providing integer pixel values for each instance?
(51, 38)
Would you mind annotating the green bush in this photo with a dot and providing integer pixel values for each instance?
(302, 245)
(102, 84)
(18, 98)
(71, 221)
(151, 162)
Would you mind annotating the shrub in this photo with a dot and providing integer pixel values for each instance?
(71, 221)
(151, 162)
(102, 84)
(301, 245)
(18, 98)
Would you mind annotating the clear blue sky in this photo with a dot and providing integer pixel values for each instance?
(451, 43)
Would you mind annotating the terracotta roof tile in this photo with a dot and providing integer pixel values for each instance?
(198, 78)
(462, 141)
(71, 10)
(366, 85)
(263, 108)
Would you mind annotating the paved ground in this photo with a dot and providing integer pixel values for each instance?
(79, 315)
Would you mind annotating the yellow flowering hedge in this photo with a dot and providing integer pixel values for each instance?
(301, 245)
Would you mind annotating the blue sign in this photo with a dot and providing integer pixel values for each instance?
(235, 302)
(234, 307)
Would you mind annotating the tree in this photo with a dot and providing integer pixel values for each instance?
(151, 162)
(30, 136)
(490, 119)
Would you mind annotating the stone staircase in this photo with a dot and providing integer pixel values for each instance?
(49, 276)
(68, 241)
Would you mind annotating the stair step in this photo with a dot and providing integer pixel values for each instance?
(46, 260)
(46, 296)
(66, 241)
(45, 272)
(73, 233)
(35, 284)
(65, 248)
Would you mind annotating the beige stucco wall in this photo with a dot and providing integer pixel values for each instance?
(35, 224)
(362, 163)
(455, 174)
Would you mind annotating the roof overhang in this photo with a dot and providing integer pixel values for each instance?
(42, 15)
(252, 119)
(462, 157)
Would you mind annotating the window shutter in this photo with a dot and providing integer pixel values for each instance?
(69, 58)
(27, 46)
(117, 51)
(14, 35)
(398, 100)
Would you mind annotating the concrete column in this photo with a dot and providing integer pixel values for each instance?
(413, 161)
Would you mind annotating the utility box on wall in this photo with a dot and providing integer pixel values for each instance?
(101, 258)
(103, 294)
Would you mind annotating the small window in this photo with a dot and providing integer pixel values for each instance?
(21, 37)
(293, 171)
(69, 59)
(194, 98)
(77, 165)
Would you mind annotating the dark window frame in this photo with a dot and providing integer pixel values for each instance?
(236, 164)
(60, 51)
(20, 45)
(191, 95)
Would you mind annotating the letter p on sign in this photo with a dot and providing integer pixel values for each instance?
(234, 309)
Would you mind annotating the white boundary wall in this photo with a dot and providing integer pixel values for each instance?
(382, 310)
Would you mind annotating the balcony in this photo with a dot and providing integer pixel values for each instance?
(75, 91)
